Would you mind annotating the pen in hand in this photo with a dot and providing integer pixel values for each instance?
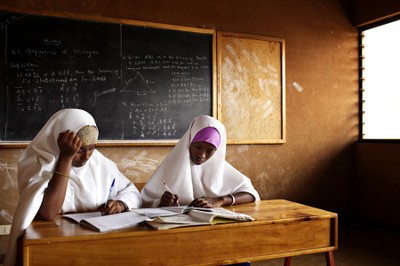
(166, 186)
(109, 194)
(169, 190)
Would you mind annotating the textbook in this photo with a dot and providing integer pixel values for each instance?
(155, 212)
(104, 223)
(191, 216)
(166, 211)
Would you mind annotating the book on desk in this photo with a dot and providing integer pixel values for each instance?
(158, 218)
(103, 223)
(191, 216)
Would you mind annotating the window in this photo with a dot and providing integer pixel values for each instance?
(380, 81)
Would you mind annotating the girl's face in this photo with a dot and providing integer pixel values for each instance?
(201, 151)
(83, 155)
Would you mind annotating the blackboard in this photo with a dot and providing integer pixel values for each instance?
(138, 82)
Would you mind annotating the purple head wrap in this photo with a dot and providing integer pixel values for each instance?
(209, 135)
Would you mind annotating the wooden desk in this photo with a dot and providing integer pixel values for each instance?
(282, 229)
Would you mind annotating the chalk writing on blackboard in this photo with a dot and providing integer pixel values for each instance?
(139, 83)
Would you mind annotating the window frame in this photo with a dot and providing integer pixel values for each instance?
(360, 79)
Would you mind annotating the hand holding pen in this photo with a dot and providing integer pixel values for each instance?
(168, 198)
(105, 208)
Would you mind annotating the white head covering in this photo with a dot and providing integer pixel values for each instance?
(214, 178)
(36, 166)
(42, 154)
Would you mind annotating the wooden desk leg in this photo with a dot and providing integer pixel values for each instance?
(330, 261)
(329, 258)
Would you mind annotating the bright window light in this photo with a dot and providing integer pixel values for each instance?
(380, 75)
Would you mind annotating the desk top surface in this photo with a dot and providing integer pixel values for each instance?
(264, 212)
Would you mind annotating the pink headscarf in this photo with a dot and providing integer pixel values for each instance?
(209, 135)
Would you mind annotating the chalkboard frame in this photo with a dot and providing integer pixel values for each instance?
(100, 19)
(238, 62)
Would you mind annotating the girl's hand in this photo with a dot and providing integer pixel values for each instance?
(206, 202)
(69, 144)
(112, 206)
(169, 199)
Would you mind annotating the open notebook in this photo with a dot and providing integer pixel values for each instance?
(190, 216)
(158, 218)
(104, 223)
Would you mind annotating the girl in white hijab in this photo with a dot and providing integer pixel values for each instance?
(195, 172)
(61, 171)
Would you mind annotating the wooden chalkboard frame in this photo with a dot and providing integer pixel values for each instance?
(141, 142)
(251, 82)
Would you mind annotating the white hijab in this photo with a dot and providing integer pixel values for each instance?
(85, 191)
(214, 178)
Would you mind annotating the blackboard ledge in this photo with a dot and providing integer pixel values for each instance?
(124, 143)
(102, 143)
(253, 141)
(13, 144)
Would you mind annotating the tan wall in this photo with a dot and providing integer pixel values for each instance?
(316, 164)
(378, 184)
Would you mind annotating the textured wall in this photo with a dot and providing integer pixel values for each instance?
(378, 183)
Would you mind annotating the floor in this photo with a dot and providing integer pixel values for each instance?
(359, 245)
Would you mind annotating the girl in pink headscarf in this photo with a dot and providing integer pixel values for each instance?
(195, 173)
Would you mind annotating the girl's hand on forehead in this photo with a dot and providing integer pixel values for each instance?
(69, 143)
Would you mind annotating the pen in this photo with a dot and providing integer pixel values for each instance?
(169, 190)
(166, 186)
(109, 193)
